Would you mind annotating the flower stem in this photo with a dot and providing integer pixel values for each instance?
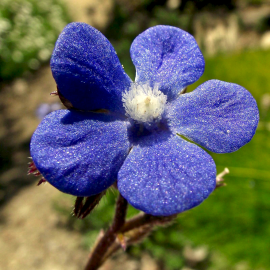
(96, 256)
(137, 229)
(145, 219)
(123, 233)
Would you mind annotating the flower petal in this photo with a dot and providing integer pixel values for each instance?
(219, 116)
(165, 175)
(87, 70)
(80, 153)
(167, 56)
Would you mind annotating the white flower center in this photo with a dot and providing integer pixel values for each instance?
(143, 103)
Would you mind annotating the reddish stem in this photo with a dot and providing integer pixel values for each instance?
(96, 257)
(145, 219)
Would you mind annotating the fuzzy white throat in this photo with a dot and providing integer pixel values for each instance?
(143, 103)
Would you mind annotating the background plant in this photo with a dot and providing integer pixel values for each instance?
(28, 31)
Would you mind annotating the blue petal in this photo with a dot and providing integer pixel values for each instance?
(80, 153)
(87, 70)
(219, 116)
(167, 56)
(165, 175)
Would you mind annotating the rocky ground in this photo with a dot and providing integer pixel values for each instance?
(32, 237)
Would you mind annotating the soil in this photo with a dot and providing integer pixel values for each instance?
(31, 238)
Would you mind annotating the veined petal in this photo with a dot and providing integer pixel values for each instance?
(219, 116)
(87, 70)
(167, 56)
(80, 153)
(165, 175)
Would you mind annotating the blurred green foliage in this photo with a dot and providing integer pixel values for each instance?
(235, 219)
(28, 31)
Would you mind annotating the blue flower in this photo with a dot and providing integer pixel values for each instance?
(125, 131)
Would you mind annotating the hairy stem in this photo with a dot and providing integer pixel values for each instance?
(135, 237)
(96, 257)
(145, 219)
(137, 229)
